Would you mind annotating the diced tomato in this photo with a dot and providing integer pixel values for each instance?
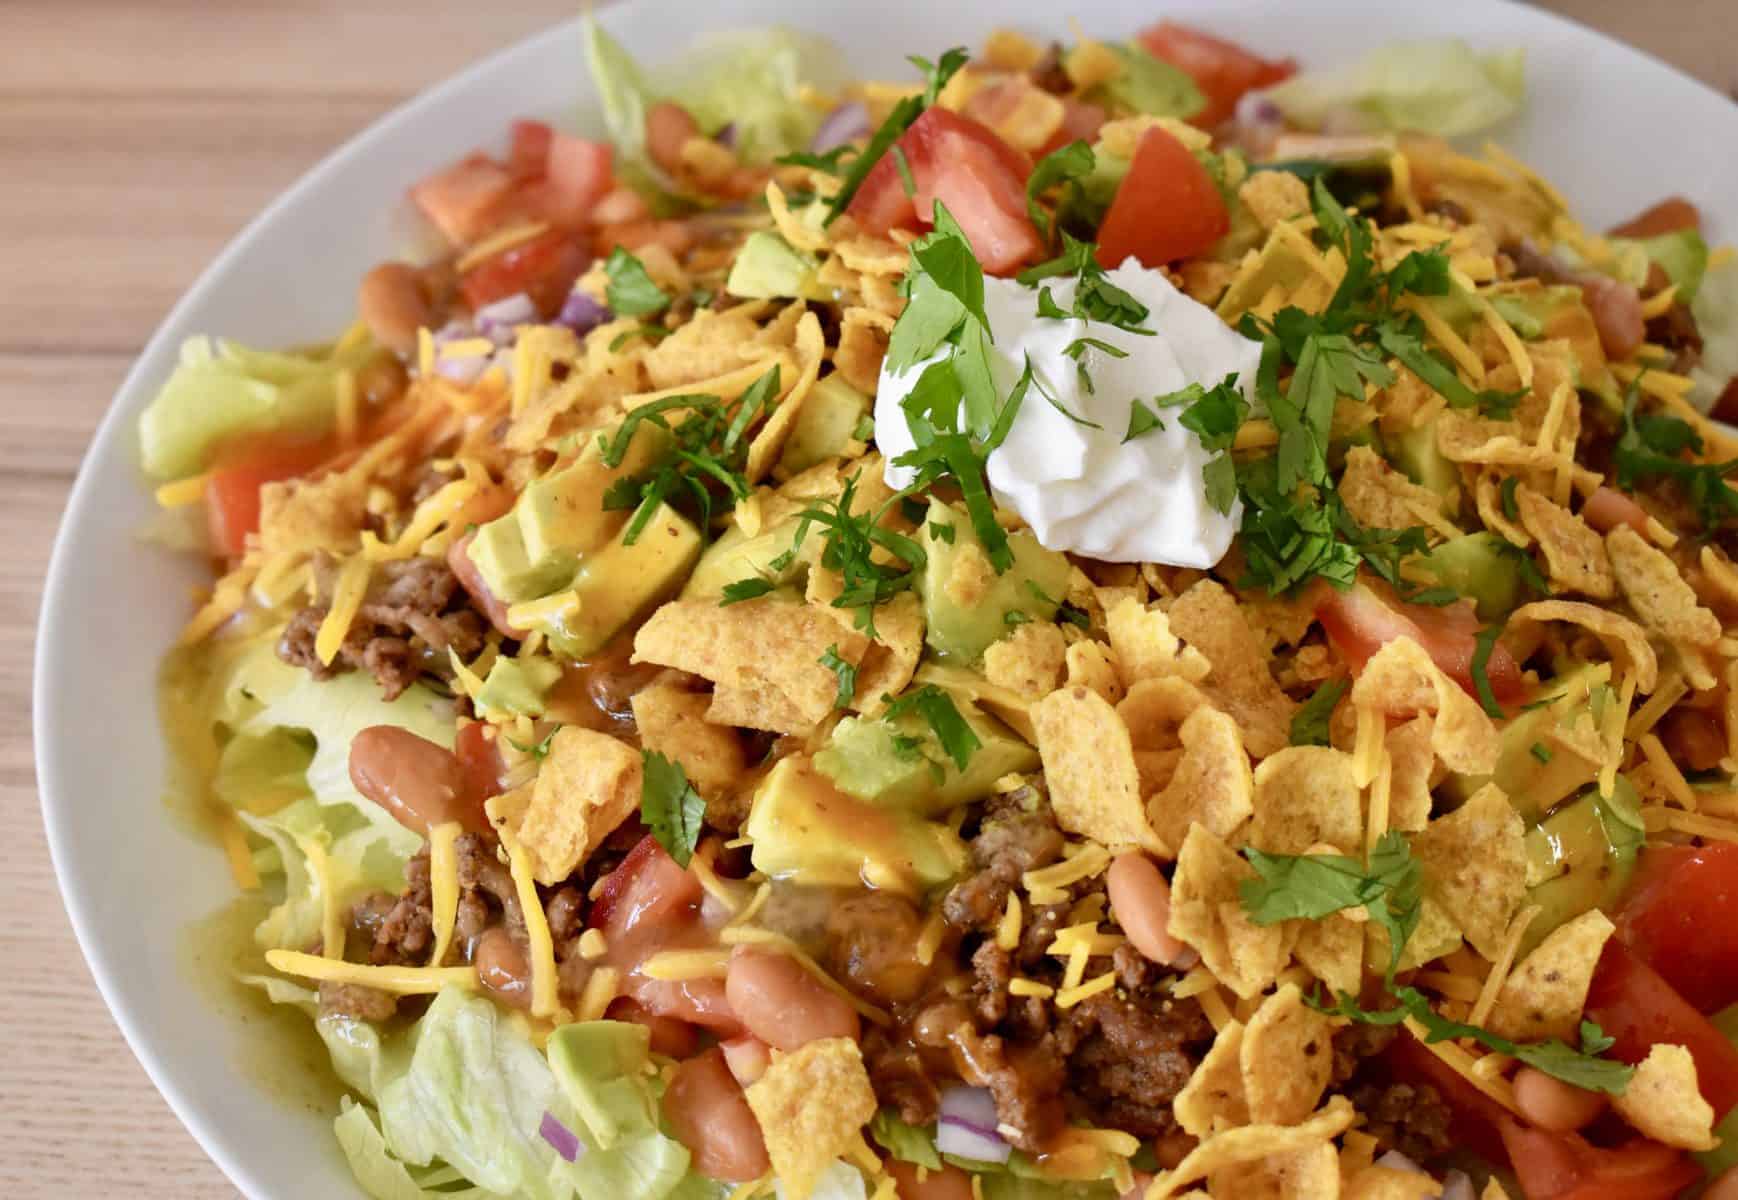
(579, 172)
(529, 156)
(232, 503)
(1677, 919)
(464, 199)
(1361, 620)
(1222, 70)
(1166, 208)
(975, 174)
(1670, 215)
(479, 762)
(648, 888)
(1565, 1166)
(1608, 508)
(1637, 1009)
(544, 268)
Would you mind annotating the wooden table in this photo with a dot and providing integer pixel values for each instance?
(135, 139)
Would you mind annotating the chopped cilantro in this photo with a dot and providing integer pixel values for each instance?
(1511, 509)
(1072, 161)
(1313, 886)
(1540, 751)
(1652, 447)
(904, 167)
(942, 531)
(652, 333)
(744, 589)
(1051, 399)
(1015, 617)
(538, 750)
(1215, 417)
(1309, 725)
(1581, 1067)
(849, 542)
(1076, 617)
(1096, 298)
(1485, 642)
(847, 673)
(829, 163)
(897, 122)
(937, 708)
(669, 806)
(630, 291)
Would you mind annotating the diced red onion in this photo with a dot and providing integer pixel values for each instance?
(1255, 109)
(726, 137)
(581, 313)
(463, 371)
(563, 1139)
(967, 1126)
(846, 123)
(1396, 1161)
(497, 321)
(1457, 1185)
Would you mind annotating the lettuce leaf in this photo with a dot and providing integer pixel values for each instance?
(223, 390)
(1441, 87)
(841, 1181)
(381, 1174)
(1716, 311)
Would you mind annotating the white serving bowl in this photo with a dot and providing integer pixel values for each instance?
(1612, 127)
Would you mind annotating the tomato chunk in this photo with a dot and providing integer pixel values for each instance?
(1677, 919)
(1166, 208)
(544, 268)
(1565, 1166)
(647, 889)
(1362, 619)
(1637, 1008)
(1608, 508)
(1222, 70)
(463, 200)
(232, 503)
(975, 174)
(528, 156)
(578, 172)
(1670, 215)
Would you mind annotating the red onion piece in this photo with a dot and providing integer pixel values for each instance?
(726, 137)
(581, 313)
(1457, 1185)
(563, 1139)
(846, 123)
(516, 309)
(968, 1126)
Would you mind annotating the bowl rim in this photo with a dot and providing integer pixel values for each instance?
(48, 683)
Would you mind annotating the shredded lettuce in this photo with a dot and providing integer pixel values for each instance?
(753, 81)
(841, 1181)
(1442, 87)
(1716, 311)
(222, 390)
(383, 1176)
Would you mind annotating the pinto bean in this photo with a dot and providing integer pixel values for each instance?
(782, 1004)
(1694, 739)
(1140, 900)
(502, 968)
(395, 304)
(1554, 1105)
(709, 1114)
(420, 783)
(668, 126)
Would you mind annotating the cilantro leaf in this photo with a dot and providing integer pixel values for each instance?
(1511, 509)
(1651, 447)
(850, 540)
(906, 182)
(1314, 886)
(829, 163)
(937, 708)
(1581, 1067)
(539, 750)
(630, 291)
(847, 673)
(1072, 161)
(669, 806)
(744, 589)
(1484, 643)
(1309, 725)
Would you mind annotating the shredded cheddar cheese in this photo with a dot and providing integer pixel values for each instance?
(600, 989)
(500, 243)
(400, 981)
(545, 984)
(347, 596)
(443, 878)
(1008, 928)
(1068, 997)
(678, 965)
(182, 492)
(1505, 961)
(929, 940)
(1019, 986)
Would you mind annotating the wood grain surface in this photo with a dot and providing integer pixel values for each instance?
(136, 137)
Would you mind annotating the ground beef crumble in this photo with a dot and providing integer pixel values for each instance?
(415, 611)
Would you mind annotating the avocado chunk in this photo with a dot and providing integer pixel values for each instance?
(1583, 855)
(534, 549)
(809, 832)
(826, 425)
(966, 605)
(1483, 566)
(900, 764)
(1415, 453)
(618, 582)
(1533, 783)
(770, 268)
(518, 685)
(733, 555)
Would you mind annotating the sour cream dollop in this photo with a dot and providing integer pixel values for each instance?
(1083, 489)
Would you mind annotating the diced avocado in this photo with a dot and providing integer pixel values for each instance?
(1415, 452)
(518, 685)
(808, 831)
(900, 764)
(1534, 784)
(1483, 566)
(1682, 255)
(562, 515)
(620, 581)
(733, 555)
(769, 268)
(1582, 856)
(967, 611)
(826, 425)
(498, 551)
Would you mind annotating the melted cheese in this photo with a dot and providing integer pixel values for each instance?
(443, 878)
(400, 981)
(1008, 928)
(545, 984)
(678, 965)
(182, 492)
(1068, 997)
(600, 989)
(1030, 987)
